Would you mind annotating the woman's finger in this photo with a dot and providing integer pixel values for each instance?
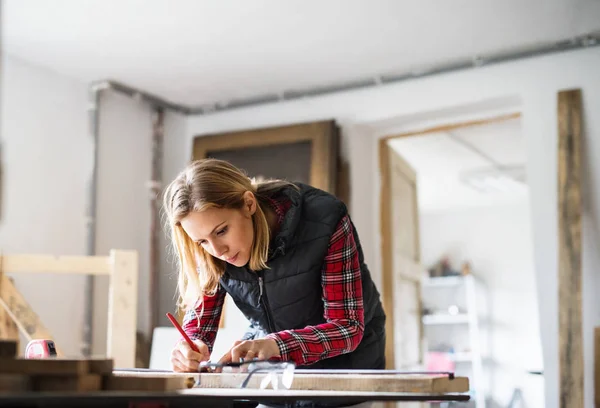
(185, 363)
(239, 351)
(177, 365)
(187, 351)
(203, 348)
(250, 354)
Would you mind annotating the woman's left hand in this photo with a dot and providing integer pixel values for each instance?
(261, 349)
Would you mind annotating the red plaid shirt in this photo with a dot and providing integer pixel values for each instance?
(343, 306)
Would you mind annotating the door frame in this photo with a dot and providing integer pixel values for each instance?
(323, 136)
(385, 211)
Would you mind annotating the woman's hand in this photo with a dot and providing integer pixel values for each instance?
(184, 359)
(262, 349)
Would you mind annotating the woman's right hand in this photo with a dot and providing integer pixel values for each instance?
(184, 359)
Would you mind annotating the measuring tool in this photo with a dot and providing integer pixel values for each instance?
(40, 348)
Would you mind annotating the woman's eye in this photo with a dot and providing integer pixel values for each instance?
(221, 232)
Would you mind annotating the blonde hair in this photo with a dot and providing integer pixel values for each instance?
(212, 183)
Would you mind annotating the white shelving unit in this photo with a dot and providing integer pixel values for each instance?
(469, 318)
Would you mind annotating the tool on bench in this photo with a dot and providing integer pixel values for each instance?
(40, 348)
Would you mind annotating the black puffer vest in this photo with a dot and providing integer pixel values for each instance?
(288, 295)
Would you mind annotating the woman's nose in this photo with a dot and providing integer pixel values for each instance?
(219, 249)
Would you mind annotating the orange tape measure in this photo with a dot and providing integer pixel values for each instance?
(40, 349)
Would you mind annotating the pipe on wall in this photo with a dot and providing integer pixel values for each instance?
(90, 247)
(155, 186)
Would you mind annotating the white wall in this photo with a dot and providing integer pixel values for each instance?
(123, 214)
(46, 164)
(125, 159)
(176, 154)
(46, 160)
(535, 83)
(497, 241)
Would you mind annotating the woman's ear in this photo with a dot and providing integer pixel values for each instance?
(250, 203)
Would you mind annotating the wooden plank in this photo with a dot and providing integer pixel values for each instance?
(454, 126)
(354, 396)
(569, 249)
(21, 313)
(321, 135)
(354, 382)
(417, 383)
(8, 349)
(77, 383)
(56, 366)
(100, 365)
(14, 383)
(122, 308)
(386, 252)
(155, 383)
(597, 366)
(88, 265)
(8, 328)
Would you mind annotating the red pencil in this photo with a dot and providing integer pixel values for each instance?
(185, 336)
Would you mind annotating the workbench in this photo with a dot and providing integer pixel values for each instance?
(153, 389)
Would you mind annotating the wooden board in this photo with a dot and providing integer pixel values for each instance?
(8, 328)
(87, 265)
(156, 383)
(21, 313)
(597, 366)
(58, 366)
(569, 250)
(8, 348)
(122, 308)
(400, 253)
(413, 383)
(76, 383)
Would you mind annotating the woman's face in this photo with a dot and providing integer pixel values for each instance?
(224, 233)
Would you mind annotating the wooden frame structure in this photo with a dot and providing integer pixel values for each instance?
(120, 266)
(570, 308)
(323, 137)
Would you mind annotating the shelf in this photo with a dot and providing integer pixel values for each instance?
(462, 318)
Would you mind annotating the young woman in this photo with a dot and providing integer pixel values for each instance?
(289, 256)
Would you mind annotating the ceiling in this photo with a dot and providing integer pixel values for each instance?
(440, 159)
(196, 52)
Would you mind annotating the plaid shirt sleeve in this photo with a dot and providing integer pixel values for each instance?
(343, 306)
(202, 323)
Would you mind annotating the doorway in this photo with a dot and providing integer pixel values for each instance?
(457, 251)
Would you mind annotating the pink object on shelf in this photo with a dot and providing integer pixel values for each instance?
(439, 361)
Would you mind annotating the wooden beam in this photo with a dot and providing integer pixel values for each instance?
(21, 313)
(8, 328)
(569, 250)
(455, 126)
(8, 348)
(342, 381)
(88, 265)
(122, 308)
(386, 253)
(597, 366)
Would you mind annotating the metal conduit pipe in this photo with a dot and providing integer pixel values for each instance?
(583, 41)
(90, 248)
